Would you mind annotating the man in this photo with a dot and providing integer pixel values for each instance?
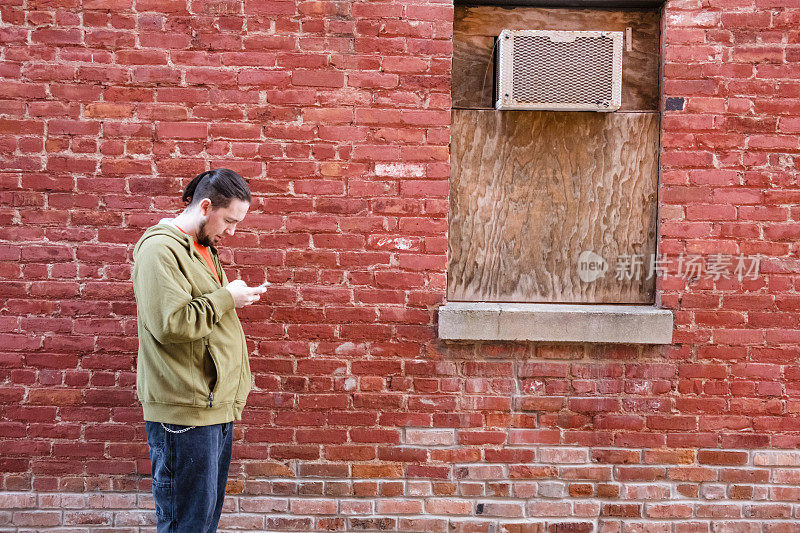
(193, 373)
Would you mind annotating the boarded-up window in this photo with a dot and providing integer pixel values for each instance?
(530, 191)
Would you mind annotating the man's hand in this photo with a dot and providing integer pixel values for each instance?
(244, 295)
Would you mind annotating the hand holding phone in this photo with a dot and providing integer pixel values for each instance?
(244, 295)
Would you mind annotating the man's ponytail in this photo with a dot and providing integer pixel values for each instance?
(188, 192)
(220, 185)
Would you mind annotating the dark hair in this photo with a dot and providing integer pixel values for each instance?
(220, 185)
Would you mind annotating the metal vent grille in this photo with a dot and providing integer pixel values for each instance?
(560, 70)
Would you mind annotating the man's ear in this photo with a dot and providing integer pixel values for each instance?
(205, 206)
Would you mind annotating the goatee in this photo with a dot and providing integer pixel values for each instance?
(202, 237)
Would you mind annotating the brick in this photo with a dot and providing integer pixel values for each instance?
(669, 511)
(313, 507)
(622, 510)
(776, 458)
(430, 437)
(718, 511)
(448, 506)
(36, 518)
(562, 455)
(669, 456)
(720, 457)
(315, 78)
(18, 501)
(182, 130)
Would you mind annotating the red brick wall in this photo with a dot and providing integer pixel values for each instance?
(338, 114)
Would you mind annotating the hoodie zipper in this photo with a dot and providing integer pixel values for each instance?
(218, 279)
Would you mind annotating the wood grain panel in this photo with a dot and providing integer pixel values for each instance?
(473, 71)
(473, 55)
(531, 190)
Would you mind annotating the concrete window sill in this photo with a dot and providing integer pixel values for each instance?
(629, 324)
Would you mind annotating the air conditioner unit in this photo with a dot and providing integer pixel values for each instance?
(559, 70)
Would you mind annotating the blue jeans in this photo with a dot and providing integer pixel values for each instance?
(190, 471)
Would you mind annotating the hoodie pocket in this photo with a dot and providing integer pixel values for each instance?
(213, 376)
(245, 378)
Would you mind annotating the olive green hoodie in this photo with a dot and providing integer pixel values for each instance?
(193, 367)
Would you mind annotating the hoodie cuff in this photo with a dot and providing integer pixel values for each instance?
(222, 301)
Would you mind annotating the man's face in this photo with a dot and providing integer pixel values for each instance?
(219, 221)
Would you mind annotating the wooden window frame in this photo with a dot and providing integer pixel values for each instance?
(556, 322)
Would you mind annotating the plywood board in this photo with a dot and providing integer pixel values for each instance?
(473, 71)
(531, 190)
(474, 29)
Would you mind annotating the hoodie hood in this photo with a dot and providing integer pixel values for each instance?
(166, 228)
